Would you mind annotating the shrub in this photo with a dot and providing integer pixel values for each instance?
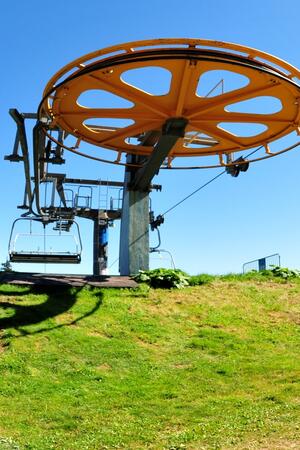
(284, 272)
(163, 278)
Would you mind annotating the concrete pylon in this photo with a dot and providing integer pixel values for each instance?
(134, 235)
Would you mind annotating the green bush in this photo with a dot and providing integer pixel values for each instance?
(175, 278)
(163, 278)
(284, 272)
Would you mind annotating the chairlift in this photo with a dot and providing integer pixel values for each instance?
(45, 255)
(161, 251)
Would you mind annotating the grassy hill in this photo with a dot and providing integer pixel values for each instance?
(207, 367)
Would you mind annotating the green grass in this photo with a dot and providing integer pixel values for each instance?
(214, 366)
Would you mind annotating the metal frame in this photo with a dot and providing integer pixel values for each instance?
(43, 155)
(265, 257)
(43, 256)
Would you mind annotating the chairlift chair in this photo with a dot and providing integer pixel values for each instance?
(43, 256)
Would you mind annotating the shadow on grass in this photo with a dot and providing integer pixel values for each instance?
(60, 299)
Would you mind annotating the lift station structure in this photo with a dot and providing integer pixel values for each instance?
(149, 132)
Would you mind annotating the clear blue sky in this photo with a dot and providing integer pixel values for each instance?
(232, 220)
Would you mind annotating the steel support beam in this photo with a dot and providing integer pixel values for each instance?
(21, 140)
(134, 239)
(83, 181)
(38, 166)
(172, 130)
(119, 184)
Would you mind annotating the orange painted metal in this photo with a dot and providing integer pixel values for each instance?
(205, 135)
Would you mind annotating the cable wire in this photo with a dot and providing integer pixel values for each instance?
(204, 185)
(193, 193)
(190, 195)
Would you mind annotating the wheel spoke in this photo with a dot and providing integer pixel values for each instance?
(132, 130)
(246, 93)
(185, 79)
(217, 133)
(136, 96)
(184, 83)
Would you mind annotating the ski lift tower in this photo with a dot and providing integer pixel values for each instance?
(156, 132)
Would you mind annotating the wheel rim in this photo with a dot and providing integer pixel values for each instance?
(204, 134)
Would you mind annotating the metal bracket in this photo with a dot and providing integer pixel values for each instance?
(21, 141)
(241, 165)
(155, 223)
(172, 130)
